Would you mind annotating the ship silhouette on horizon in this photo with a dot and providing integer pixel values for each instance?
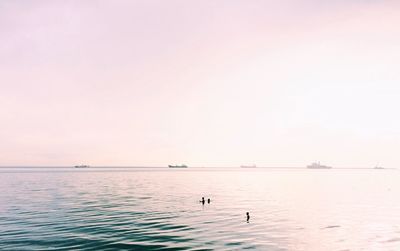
(317, 165)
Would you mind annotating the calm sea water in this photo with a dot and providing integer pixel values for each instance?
(159, 209)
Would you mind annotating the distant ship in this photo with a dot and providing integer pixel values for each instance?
(316, 165)
(378, 167)
(81, 166)
(251, 166)
(177, 166)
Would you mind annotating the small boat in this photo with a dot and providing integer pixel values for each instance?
(378, 167)
(81, 166)
(317, 165)
(177, 166)
(249, 166)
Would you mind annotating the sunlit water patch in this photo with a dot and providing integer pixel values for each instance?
(159, 209)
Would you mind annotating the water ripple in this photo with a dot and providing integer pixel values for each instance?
(144, 210)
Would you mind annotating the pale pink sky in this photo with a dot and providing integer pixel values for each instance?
(220, 83)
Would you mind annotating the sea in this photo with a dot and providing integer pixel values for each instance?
(161, 209)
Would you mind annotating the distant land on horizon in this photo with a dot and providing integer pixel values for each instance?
(191, 167)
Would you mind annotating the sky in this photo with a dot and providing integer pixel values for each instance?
(202, 83)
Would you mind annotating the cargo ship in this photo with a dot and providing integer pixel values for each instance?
(317, 165)
(177, 166)
(81, 166)
(248, 166)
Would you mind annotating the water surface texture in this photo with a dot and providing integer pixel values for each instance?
(159, 209)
